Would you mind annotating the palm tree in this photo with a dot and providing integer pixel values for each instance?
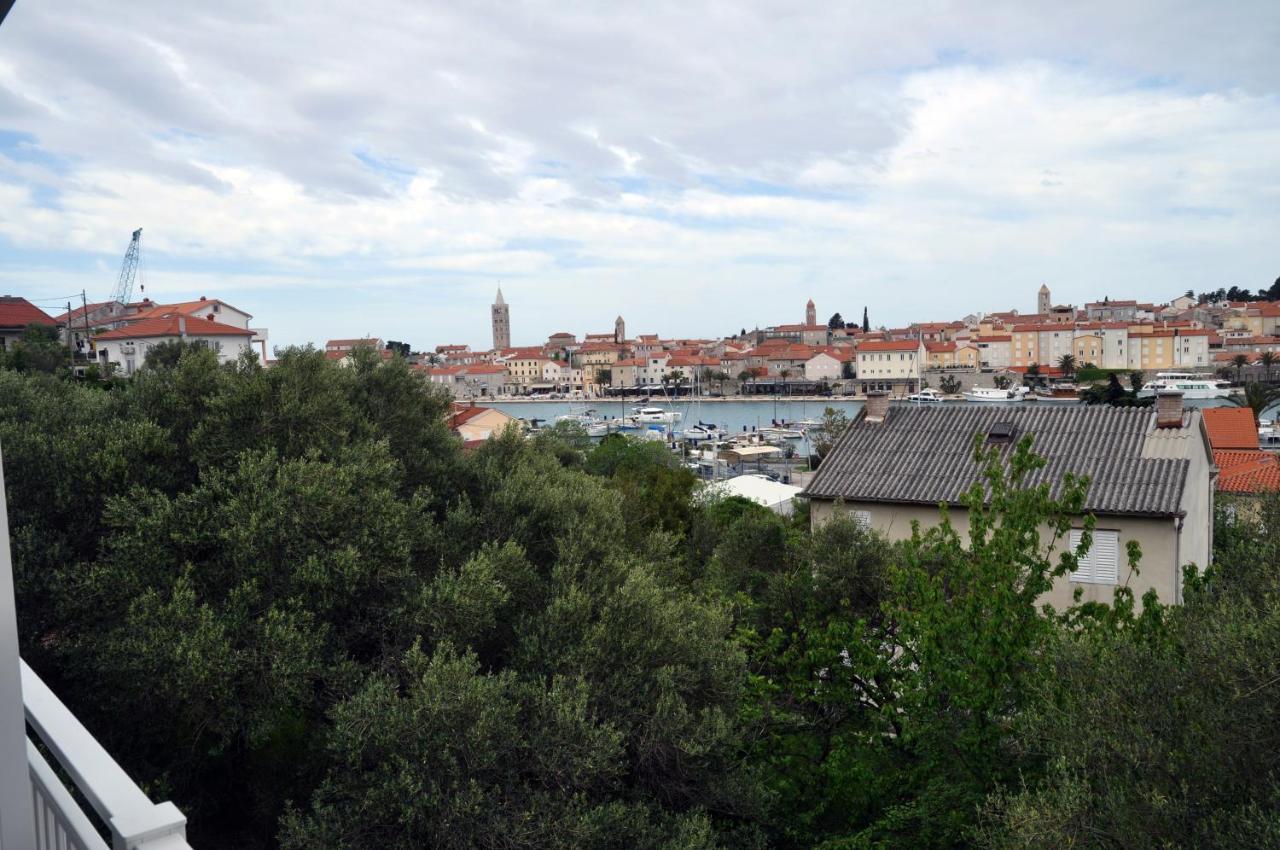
(1067, 363)
(1239, 362)
(1268, 359)
(1257, 397)
(784, 374)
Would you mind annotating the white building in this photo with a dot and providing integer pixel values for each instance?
(127, 347)
(825, 366)
(892, 366)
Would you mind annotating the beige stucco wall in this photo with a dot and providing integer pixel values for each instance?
(1158, 538)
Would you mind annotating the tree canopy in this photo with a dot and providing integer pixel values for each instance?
(288, 599)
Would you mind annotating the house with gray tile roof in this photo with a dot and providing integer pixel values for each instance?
(1150, 472)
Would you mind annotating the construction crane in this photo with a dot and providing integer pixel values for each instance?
(128, 270)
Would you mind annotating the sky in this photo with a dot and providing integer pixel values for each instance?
(380, 168)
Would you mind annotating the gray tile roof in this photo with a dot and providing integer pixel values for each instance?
(924, 455)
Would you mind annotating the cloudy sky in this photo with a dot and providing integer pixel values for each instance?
(338, 169)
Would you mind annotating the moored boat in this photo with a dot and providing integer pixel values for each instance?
(995, 394)
(1059, 391)
(1189, 384)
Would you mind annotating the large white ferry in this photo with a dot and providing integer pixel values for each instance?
(1189, 384)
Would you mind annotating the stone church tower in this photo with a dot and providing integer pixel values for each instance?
(1044, 304)
(501, 315)
(619, 330)
(810, 313)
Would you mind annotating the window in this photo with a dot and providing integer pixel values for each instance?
(862, 519)
(1101, 564)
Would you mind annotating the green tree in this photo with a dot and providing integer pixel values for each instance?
(1268, 359)
(1258, 397)
(866, 322)
(835, 322)
(949, 385)
(889, 722)
(1067, 364)
(1124, 767)
(1002, 382)
(1239, 363)
(165, 355)
(39, 350)
(833, 425)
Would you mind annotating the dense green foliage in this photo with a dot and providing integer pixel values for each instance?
(288, 600)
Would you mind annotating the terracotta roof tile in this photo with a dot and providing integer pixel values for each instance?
(1231, 427)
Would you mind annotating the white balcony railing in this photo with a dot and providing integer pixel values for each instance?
(131, 819)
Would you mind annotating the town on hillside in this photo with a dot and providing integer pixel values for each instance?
(1211, 335)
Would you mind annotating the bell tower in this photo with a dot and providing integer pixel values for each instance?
(500, 314)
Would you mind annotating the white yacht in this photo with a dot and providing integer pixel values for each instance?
(702, 431)
(781, 432)
(659, 415)
(995, 394)
(1189, 384)
(925, 396)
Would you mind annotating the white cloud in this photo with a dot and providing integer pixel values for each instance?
(690, 166)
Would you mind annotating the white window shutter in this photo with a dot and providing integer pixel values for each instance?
(863, 519)
(1101, 564)
(1106, 557)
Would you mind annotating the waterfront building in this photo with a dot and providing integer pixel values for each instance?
(475, 424)
(889, 365)
(994, 351)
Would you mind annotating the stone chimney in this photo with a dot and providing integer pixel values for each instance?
(1169, 409)
(182, 327)
(877, 406)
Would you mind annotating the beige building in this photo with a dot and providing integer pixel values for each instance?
(474, 423)
(995, 351)
(892, 366)
(950, 355)
(593, 359)
(1151, 481)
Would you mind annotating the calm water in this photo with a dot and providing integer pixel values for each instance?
(735, 416)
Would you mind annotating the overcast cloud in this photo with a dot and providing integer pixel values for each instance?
(341, 169)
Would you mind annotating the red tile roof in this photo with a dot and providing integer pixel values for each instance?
(187, 308)
(151, 328)
(1231, 427)
(18, 312)
(463, 414)
(883, 345)
(1247, 471)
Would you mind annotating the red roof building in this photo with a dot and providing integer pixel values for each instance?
(16, 312)
(174, 326)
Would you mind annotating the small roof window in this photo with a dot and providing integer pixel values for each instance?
(1002, 432)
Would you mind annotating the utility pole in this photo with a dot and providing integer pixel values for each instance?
(88, 345)
(71, 343)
